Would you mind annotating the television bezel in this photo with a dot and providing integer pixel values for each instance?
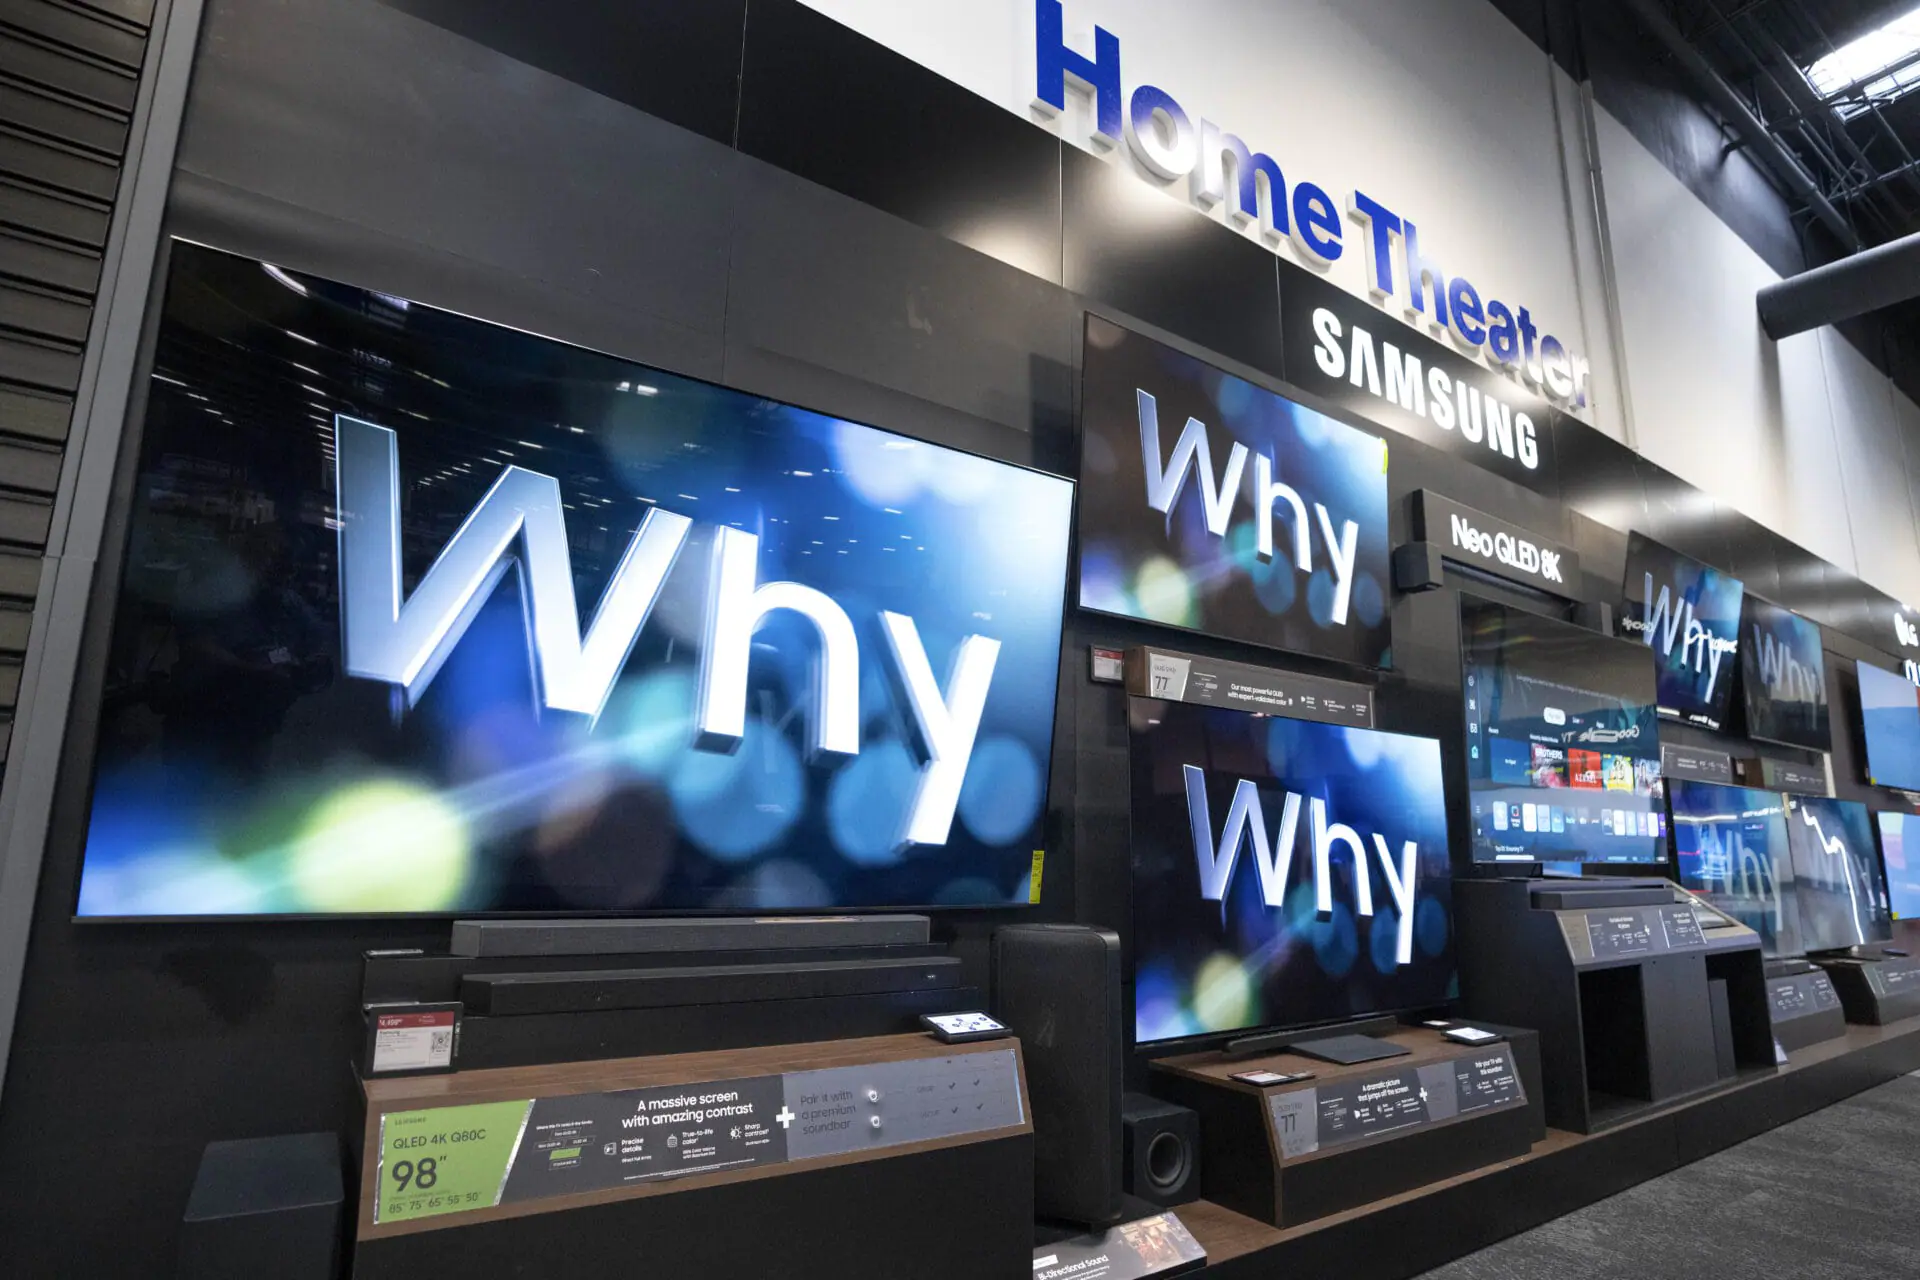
(79, 764)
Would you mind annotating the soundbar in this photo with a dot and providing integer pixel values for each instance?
(508, 994)
(644, 937)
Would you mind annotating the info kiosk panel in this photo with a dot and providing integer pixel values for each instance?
(705, 1164)
(1640, 994)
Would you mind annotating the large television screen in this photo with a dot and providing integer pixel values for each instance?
(1732, 848)
(1214, 505)
(424, 614)
(1890, 720)
(1563, 741)
(1285, 873)
(1900, 856)
(1783, 672)
(1836, 870)
(1689, 615)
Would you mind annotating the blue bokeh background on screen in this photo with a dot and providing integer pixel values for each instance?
(239, 771)
(1695, 684)
(1205, 966)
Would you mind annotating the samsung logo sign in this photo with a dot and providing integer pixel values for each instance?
(1221, 170)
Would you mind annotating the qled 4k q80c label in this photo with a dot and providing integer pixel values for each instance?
(1211, 504)
(424, 614)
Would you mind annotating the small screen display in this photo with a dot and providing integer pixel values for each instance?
(1563, 744)
(1836, 868)
(1284, 872)
(1900, 854)
(1731, 847)
(1890, 719)
(1688, 614)
(1783, 673)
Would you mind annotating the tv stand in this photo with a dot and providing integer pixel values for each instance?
(1344, 1043)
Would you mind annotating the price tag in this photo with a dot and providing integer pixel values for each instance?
(1167, 676)
(446, 1159)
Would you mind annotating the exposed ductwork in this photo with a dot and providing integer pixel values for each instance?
(1867, 281)
(1754, 135)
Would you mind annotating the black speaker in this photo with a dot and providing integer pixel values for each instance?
(1417, 567)
(1057, 987)
(1162, 1151)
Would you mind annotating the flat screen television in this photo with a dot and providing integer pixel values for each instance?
(1783, 675)
(1900, 857)
(1837, 875)
(1214, 505)
(1285, 873)
(1731, 847)
(1890, 721)
(423, 614)
(1688, 614)
(1563, 741)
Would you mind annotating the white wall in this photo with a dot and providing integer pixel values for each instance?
(1804, 436)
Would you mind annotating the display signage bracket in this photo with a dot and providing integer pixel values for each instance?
(1471, 537)
(1690, 764)
(1216, 682)
(1768, 774)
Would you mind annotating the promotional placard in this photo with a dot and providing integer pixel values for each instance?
(1214, 505)
(439, 1161)
(1374, 1105)
(1692, 764)
(1362, 360)
(1215, 682)
(1160, 1247)
(1784, 775)
(1471, 537)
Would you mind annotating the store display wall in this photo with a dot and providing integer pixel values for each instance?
(787, 241)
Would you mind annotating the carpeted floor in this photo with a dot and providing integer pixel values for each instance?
(1834, 1195)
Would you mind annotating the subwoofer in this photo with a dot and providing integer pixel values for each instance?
(1057, 987)
(1162, 1151)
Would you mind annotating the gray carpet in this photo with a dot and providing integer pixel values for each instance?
(1834, 1195)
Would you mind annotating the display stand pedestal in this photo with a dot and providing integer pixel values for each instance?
(1803, 1003)
(1288, 1154)
(851, 1158)
(1875, 990)
(1636, 1003)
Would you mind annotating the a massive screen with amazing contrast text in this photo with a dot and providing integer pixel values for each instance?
(1284, 872)
(1900, 858)
(423, 614)
(1563, 741)
(1688, 614)
(1836, 869)
(1783, 674)
(1732, 848)
(1211, 504)
(1890, 722)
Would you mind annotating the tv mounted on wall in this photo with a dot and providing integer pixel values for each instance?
(1890, 722)
(1688, 614)
(1783, 674)
(424, 614)
(1211, 504)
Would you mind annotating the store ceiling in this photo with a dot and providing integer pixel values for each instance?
(1862, 150)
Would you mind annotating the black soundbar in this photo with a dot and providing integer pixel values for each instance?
(507, 994)
(642, 937)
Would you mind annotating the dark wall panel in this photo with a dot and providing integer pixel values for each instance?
(1167, 264)
(677, 61)
(897, 136)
